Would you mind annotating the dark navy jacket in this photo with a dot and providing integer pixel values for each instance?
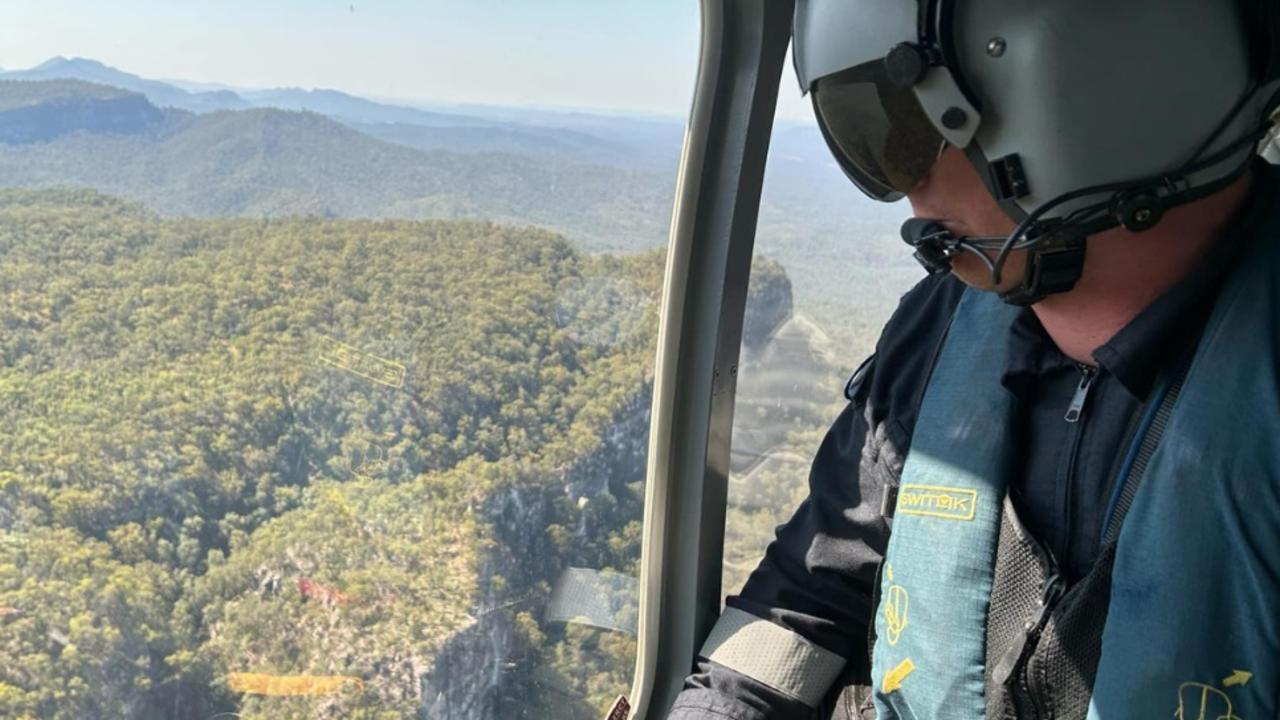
(817, 577)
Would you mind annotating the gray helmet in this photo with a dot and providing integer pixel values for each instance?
(1109, 111)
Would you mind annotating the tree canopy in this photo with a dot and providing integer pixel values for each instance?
(310, 448)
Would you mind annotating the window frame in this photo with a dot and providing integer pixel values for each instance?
(742, 56)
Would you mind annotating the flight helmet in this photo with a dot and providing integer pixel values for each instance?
(1079, 115)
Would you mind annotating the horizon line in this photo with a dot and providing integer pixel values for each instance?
(430, 105)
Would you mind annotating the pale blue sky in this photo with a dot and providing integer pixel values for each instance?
(614, 54)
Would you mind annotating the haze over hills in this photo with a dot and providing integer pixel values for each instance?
(605, 180)
(348, 108)
(618, 138)
(534, 141)
(159, 93)
(266, 162)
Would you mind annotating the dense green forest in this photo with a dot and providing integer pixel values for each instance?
(237, 452)
(307, 447)
(262, 454)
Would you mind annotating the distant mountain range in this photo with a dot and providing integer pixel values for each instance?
(267, 162)
(605, 180)
(41, 111)
(480, 130)
(159, 93)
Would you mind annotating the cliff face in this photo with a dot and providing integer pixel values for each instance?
(491, 670)
(496, 668)
(127, 114)
(769, 302)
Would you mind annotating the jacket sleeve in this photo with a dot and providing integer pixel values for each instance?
(816, 578)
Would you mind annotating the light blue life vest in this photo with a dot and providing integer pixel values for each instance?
(1193, 627)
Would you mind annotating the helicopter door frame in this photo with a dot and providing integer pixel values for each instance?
(744, 44)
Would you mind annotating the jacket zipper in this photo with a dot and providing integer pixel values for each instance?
(1014, 667)
(1074, 416)
(1076, 408)
(1055, 585)
(1054, 589)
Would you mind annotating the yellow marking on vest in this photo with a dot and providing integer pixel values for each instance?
(895, 613)
(893, 679)
(1197, 701)
(1237, 677)
(937, 501)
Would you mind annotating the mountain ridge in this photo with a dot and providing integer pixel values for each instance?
(94, 71)
(269, 162)
(568, 135)
(811, 218)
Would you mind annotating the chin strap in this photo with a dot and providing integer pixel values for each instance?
(1055, 248)
(1055, 256)
(1054, 265)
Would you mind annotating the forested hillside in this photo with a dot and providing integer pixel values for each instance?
(607, 184)
(266, 162)
(322, 454)
(308, 468)
(38, 112)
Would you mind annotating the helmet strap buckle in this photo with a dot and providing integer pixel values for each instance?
(1054, 265)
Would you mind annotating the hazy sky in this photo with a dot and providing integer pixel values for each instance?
(619, 54)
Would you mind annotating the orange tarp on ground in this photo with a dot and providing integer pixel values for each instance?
(325, 594)
(259, 684)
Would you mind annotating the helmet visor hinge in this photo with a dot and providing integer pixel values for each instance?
(907, 63)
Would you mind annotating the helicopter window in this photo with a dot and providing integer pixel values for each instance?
(828, 268)
(327, 337)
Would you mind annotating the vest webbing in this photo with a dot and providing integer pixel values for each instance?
(1193, 627)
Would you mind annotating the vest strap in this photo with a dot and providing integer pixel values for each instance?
(773, 655)
(1151, 430)
(929, 657)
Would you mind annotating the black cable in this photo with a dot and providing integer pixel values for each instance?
(1018, 235)
(995, 242)
(964, 245)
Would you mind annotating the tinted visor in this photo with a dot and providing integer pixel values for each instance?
(879, 133)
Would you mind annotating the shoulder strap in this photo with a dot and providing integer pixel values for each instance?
(929, 657)
(1133, 470)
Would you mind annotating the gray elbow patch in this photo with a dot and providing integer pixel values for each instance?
(772, 655)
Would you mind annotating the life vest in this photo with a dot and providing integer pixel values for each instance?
(1192, 628)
